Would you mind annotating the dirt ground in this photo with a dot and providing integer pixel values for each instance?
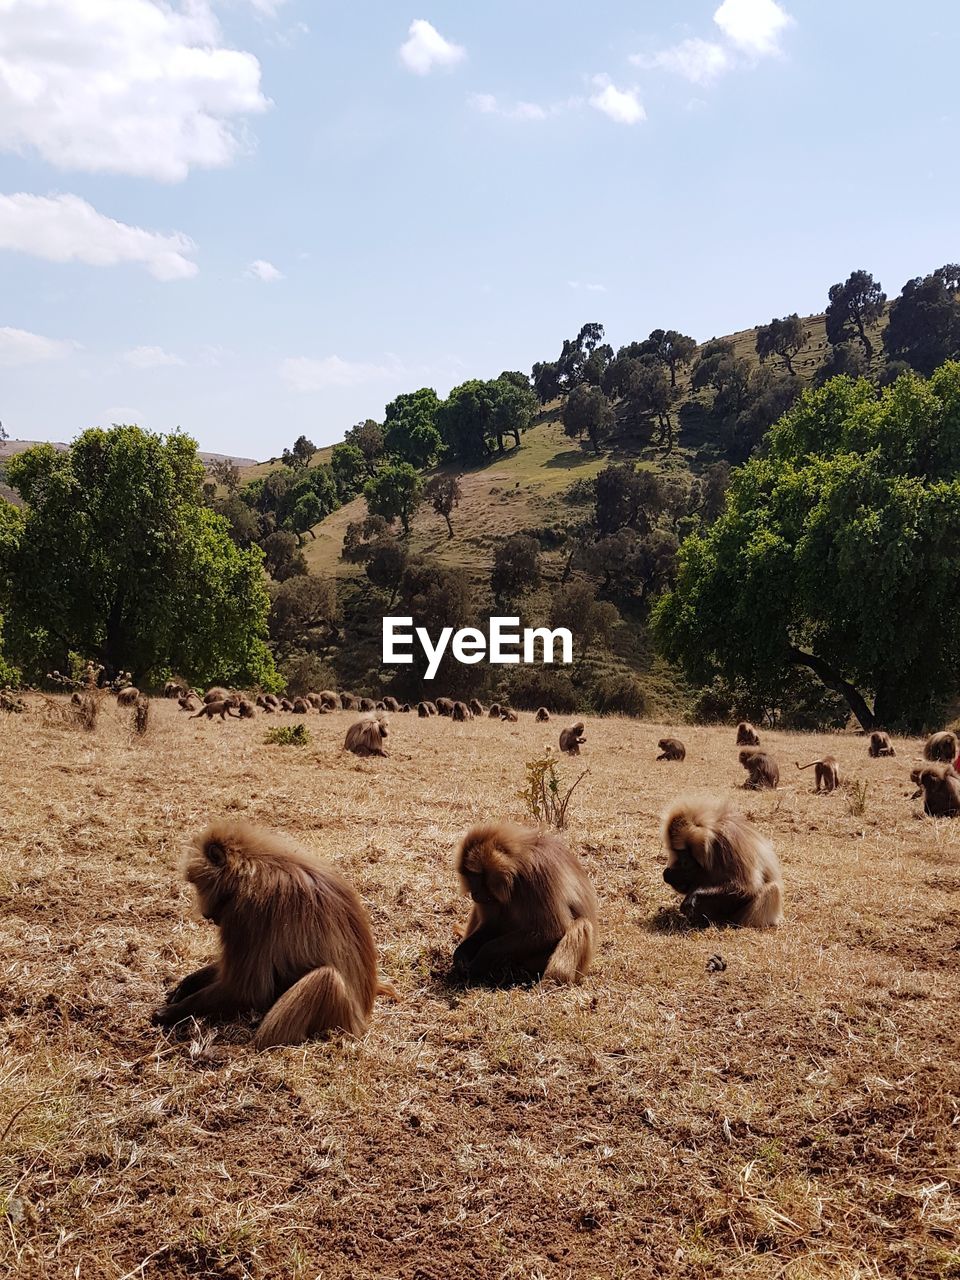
(788, 1109)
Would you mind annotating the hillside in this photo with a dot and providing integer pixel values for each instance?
(524, 488)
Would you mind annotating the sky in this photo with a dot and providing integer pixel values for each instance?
(255, 219)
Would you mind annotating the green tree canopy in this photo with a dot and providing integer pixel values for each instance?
(119, 560)
(410, 428)
(784, 338)
(588, 412)
(443, 492)
(516, 567)
(855, 306)
(837, 551)
(395, 492)
(299, 457)
(924, 328)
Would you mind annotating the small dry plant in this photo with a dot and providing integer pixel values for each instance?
(141, 716)
(542, 795)
(292, 735)
(856, 798)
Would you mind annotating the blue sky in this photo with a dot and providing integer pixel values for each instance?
(437, 192)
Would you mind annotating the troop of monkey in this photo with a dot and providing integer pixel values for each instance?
(296, 945)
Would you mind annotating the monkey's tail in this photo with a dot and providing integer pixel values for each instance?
(572, 955)
(807, 766)
(385, 988)
(319, 1002)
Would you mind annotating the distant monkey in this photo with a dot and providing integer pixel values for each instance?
(572, 739)
(216, 694)
(431, 708)
(542, 716)
(827, 772)
(301, 707)
(726, 870)
(187, 702)
(365, 736)
(246, 709)
(348, 702)
(476, 706)
(507, 713)
(406, 708)
(391, 704)
(295, 940)
(494, 712)
(461, 711)
(671, 749)
(223, 708)
(128, 696)
(173, 690)
(940, 786)
(329, 699)
(445, 706)
(423, 711)
(286, 704)
(941, 747)
(880, 745)
(763, 771)
(367, 704)
(534, 909)
(747, 735)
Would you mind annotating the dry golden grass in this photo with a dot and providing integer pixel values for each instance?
(790, 1110)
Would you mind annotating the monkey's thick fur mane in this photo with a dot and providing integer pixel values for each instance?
(728, 848)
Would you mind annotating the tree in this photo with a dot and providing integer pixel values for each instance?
(588, 411)
(283, 558)
(924, 328)
(395, 493)
(836, 552)
(300, 456)
(670, 348)
(348, 466)
(225, 472)
(410, 430)
(304, 615)
(626, 499)
(516, 568)
(360, 537)
(513, 407)
(649, 395)
(844, 359)
(784, 338)
(386, 565)
(435, 598)
(120, 561)
(546, 381)
(588, 619)
(855, 306)
(367, 437)
(443, 492)
(477, 413)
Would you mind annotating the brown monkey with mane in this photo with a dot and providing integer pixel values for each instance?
(763, 771)
(572, 739)
(939, 784)
(221, 708)
(671, 749)
(725, 869)
(747, 735)
(295, 940)
(542, 716)
(534, 910)
(941, 747)
(365, 736)
(880, 745)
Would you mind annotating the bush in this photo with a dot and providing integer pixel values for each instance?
(534, 687)
(541, 793)
(619, 694)
(306, 673)
(288, 735)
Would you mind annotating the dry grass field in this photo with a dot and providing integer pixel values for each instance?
(717, 1104)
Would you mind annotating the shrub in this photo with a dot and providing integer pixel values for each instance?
(306, 673)
(288, 735)
(534, 687)
(621, 694)
(542, 794)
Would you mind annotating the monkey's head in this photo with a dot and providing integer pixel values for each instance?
(748, 758)
(208, 870)
(697, 852)
(486, 867)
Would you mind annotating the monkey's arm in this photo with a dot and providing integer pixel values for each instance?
(214, 1000)
(715, 906)
(471, 944)
(193, 982)
(519, 948)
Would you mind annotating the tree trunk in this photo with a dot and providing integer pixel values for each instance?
(867, 345)
(449, 525)
(833, 680)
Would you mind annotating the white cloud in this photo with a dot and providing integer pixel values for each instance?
(426, 49)
(754, 26)
(590, 288)
(68, 229)
(18, 347)
(264, 271)
(305, 374)
(700, 61)
(621, 105)
(268, 8)
(151, 358)
(123, 86)
(488, 105)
